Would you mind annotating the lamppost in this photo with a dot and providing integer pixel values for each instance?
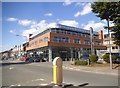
(91, 38)
(109, 44)
(25, 42)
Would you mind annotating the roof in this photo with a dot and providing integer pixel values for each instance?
(55, 25)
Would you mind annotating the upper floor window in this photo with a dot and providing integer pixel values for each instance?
(112, 35)
(40, 41)
(45, 39)
(32, 44)
(61, 39)
(98, 43)
(87, 42)
(114, 47)
(106, 36)
(36, 42)
(76, 41)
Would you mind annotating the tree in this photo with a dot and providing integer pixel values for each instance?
(110, 11)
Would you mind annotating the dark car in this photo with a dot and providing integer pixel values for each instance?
(36, 59)
(117, 60)
(29, 60)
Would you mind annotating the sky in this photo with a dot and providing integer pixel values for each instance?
(24, 18)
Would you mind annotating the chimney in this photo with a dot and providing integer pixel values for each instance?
(100, 35)
(30, 36)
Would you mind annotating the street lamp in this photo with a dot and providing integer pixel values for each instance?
(23, 36)
(25, 42)
(109, 44)
(91, 38)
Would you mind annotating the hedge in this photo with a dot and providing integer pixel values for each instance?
(93, 58)
(107, 59)
(80, 62)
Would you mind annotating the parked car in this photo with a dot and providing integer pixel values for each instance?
(117, 60)
(23, 59)
(36, 59)
(29, 60)
(32, 59)
(84, 57)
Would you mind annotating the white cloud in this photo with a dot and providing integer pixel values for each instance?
(12, 31)
(86, 10)
(80, 4)
(97, 26)
(67, 2)
(12, 19)
(69, 23)
(43, 24)
(77, 14)
(26, 22)
(35, 28)
(48, 14)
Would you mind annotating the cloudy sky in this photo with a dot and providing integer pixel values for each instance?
(23, 18)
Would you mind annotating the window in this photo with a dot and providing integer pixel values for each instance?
(87, 42)
(76, 41)
(67, 40)
(36, 42)
(45, 39)
(61, 39)
(32, 44)
(112, 35)
(106, 36)
(40, 41)
(98, 43)
(114, 47)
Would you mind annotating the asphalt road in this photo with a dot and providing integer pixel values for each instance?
(36, 74)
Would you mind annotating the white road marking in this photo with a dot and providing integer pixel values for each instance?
(52, 82)
(11, 68)
(35, 80)
(12, 85)
(39, 79)
(18, 85)
(43, 84)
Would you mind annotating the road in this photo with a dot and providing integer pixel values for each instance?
(36, 74)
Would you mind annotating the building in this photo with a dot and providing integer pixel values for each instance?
(115, 49)
(64, 41)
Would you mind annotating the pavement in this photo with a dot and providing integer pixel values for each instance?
(17, 73)
(98, 70)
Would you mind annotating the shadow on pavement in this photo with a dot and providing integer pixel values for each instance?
(49, 86)
(12, 63)
(85, 85)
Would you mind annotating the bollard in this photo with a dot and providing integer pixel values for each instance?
(57, 71)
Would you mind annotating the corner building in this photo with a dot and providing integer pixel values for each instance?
(67, 42)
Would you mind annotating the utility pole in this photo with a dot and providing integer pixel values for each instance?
(91, 39)
(109, 44)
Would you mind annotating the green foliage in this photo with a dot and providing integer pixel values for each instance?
(110, 11)
(80, 62)
(93, 58)
(107, 59)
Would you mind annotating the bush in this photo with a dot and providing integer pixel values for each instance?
(80, 62)
(107, 59)
(93, 58)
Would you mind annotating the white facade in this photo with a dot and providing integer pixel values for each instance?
(114, 47)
